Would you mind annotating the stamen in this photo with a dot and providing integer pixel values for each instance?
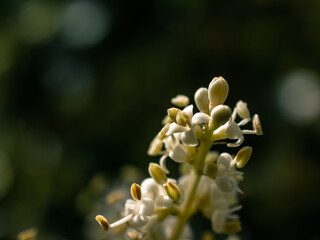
(236, 187)
(249, 131)
(234, 115)
(234, 209)
(103, 222)
(121, 221)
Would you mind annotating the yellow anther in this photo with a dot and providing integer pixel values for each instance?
(103, 222)
(243, 156)
(172, 191)
(157, 173)
(242, 109)
(172, 113)
(136, 191)
(257, 124)
(182, 118)
(163, 131)
(231, 227)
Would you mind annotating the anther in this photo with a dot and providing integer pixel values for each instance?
(103, 222)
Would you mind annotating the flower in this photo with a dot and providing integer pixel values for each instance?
(162, 205)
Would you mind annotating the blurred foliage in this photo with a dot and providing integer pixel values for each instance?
(84, 86)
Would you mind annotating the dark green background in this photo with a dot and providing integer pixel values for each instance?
(70, 112)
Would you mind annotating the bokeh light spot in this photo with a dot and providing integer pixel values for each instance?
(37, 22)
(299, 97)
(84, 24)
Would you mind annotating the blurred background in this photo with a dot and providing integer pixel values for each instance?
(84, 86)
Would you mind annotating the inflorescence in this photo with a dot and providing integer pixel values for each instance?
(161, 207)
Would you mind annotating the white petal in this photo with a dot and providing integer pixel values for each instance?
(233, 131)
(189, 110)
(139, 220)
(237, 143)
(178, 154)
(164, 202)
(149, 188)
(224, 183)
(200, 118)
(189, 138)
(163, 164)
(218, 220)
(175, 128)
(225, 159)
(146, 207)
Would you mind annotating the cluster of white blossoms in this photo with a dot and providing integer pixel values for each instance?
(161, 207)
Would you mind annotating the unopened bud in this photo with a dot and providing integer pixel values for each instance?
(136, 191)
(172, 191)
(210, 169)
(182, 118)
(243, 156)
(242, 109)
(220, 114)
(157, 173)
(231, 227)
(180, 101)
(212, 156)
(103, 222)
(201, 99)
(172, 113)
(218, 91)
(257, 124)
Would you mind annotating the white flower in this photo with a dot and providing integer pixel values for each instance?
(232, 130)
(227, 174)
(221, 215)
(188, 135)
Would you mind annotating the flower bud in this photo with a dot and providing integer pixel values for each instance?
(210, 169)
(182, 118)
(257, 124)
(180, 101)
(218, 91)
(201, 99)
(157, 173)
(231, 227)
(212, 156)
(243, 156)
(136, 191)
(172, 191)
(103, 222)
(172, 113)
(242, 109)
(220, 114)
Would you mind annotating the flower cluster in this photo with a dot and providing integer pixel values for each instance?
(161, 207)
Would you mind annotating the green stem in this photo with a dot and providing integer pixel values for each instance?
(194, 180)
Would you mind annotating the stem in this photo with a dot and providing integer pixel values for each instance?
(184, 213)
